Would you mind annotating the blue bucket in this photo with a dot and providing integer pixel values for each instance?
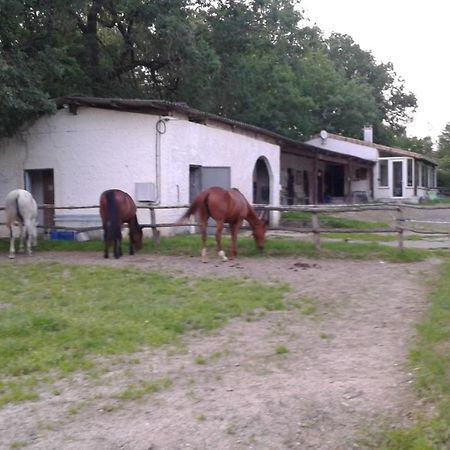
(62, 235)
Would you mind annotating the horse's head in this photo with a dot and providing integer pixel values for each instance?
(259, 234)
(136, 237)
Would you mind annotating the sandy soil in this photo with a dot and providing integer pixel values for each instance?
(345, 371)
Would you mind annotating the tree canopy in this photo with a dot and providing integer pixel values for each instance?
(257, 61)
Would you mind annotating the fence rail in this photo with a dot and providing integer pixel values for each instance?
(402, 223)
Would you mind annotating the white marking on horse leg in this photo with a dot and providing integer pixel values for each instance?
(204, 255)
(222, 256)
(21, 238)
(12, 250)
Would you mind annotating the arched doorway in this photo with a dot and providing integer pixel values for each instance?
(261, 182)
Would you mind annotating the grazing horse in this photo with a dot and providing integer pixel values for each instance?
(225, 206)
(21, 209)
(116, 208)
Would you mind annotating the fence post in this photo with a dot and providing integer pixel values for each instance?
(155, 231)
(316, 230)
(400, 230)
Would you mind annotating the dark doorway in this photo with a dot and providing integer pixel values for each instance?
(261, 183)
(41, 184)
(334, 181)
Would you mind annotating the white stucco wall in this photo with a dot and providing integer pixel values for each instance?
(97, 149)
(89, 152)
(189, 143)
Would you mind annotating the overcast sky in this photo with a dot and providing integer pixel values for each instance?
(413, 35)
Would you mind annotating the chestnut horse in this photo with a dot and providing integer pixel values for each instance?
(21, 209)
(116, 208)
(225, 206)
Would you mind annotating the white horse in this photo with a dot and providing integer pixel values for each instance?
(21, 209)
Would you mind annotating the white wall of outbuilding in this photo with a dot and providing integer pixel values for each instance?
(98, 149)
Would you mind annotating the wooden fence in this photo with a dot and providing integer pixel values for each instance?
(403, 223)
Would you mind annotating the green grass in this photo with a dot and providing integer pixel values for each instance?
(371, 237)
(58, 319)
(281, 350)
(190, 245)
(137, 391)
(330, 221)
(430, 360)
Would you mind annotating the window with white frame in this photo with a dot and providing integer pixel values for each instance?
(383, 178)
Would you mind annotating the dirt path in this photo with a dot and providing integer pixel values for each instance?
(345, 368)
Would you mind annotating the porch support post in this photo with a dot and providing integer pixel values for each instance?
(348, 168)
(314, 181)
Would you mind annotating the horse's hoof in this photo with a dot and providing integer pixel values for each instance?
(11, 256)
(222, 256)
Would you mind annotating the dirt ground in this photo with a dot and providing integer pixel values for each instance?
(345, 371)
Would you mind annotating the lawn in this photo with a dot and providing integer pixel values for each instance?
(188, 245)
(56, 319)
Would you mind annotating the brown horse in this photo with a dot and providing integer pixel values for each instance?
(225, 206)
(116, 208)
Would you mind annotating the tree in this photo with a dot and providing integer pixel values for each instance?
(443, 157)
(249, 60)
(395, 105)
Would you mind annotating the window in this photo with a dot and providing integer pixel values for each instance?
(410, 172)
(424, 175)
(383, 173)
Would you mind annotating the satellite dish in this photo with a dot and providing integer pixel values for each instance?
(323, 134)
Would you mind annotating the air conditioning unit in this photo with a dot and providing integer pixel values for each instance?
(145, 192)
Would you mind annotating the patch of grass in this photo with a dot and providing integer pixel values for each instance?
(281, 350)
(430, 359)
(60, 318)
(306, 306)
(17, 391)
(200, 360)
(372, 237)
(47, 245)
(189, 245)
(18, 444)
(330, 221)
(136, 392)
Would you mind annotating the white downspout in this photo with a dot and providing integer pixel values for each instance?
(160, 129)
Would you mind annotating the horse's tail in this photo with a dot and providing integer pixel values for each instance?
(113, 222)
(201, 201)
(18, 212)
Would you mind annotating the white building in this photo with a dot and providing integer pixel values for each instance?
(164, 153)
(397, 174)
(159, 152)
